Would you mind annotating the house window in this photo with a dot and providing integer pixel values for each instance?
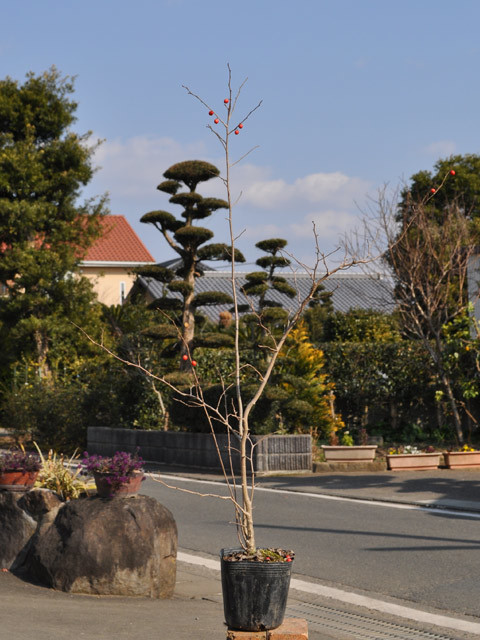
(122, 292)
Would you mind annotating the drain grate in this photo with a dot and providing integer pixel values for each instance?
(358, 627)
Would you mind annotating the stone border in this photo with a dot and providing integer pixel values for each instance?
(329, 467)
(273, 453)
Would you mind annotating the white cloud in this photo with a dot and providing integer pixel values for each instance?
(329, 224)
(316, 188)
(441, 148)
(135, 166)
(266, 206)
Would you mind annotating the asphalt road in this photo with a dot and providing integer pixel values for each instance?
(431, 559)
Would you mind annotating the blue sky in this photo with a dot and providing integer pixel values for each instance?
(356, 94)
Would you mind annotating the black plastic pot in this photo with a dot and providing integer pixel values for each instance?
(254, 593)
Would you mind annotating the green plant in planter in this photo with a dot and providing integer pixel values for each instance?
(61, 475)
(346, 440)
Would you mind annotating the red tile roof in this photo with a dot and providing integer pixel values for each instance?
(118, 243)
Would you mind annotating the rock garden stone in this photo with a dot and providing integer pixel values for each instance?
(120, 546)
(20, 516)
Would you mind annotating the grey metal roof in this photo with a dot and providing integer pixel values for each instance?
(349, 290)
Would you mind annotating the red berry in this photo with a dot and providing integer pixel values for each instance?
(432, 190)
(194, 363)
(452, 172)
(240, 126)
(210, 113)
(216, 121)
(185, 357)
(226, 101)
(289, 559)
(237, 132)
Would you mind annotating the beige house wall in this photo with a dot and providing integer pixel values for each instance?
(111, 284)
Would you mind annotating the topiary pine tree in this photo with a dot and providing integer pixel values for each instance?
(266, 314)
(188, 241)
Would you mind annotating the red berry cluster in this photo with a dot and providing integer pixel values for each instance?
(185, 358)
(211, 113)
(217, 120)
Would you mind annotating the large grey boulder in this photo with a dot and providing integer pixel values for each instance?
(122, 546)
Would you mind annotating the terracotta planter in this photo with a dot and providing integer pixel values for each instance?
(105, 488)
(17, 480)
(462, 459)
(359, 453)
(413, 461)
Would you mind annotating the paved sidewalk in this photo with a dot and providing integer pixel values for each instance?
(442, 488)
(194, 613)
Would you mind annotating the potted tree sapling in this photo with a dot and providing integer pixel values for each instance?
(255, 581)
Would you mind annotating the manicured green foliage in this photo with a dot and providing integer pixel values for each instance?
(188, 241)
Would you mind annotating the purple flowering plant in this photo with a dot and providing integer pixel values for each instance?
(19, 461)
(119, 467)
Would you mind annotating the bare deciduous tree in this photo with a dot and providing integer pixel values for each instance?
(234, 415)
(428, 254)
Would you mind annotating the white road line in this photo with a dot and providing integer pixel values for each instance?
(354, 598)
(324, 496)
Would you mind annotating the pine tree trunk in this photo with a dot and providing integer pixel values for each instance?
(41, 343)
(188, 324)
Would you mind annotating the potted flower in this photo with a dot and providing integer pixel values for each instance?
(465, 458)
(345, 450)
(118, 475)
(18, 470)
(411, 458)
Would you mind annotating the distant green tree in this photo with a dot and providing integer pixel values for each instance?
(188, 241)
(460, 189)
(44, 231)
(361, 325)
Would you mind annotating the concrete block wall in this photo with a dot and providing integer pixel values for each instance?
(272, 453)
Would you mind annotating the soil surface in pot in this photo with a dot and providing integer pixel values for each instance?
(261, 555)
